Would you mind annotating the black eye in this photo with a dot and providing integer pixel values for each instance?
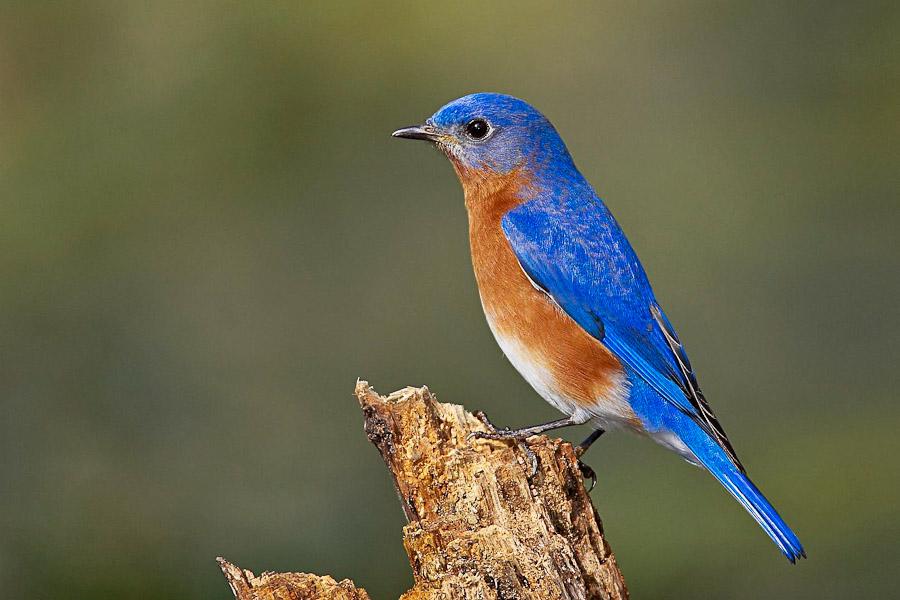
(477, 129)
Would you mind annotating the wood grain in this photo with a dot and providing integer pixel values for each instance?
(478, 526)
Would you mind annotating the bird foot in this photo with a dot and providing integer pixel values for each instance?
(588, 473)
(504, 434)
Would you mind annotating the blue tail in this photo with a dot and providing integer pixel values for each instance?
(662, 417)
(740, 486)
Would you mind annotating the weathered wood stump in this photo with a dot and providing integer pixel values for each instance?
(287, 586)
(478, 525)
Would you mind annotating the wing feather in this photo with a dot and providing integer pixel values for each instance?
(591, 272)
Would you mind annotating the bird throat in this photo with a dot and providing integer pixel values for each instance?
(489, 195)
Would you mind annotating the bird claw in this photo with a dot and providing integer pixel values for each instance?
(588, 473)
(491, 435)
(482, 416)
(504, 434)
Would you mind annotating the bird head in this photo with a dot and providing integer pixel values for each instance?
(491, 135)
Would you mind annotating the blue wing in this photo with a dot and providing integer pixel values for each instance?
(576, 253)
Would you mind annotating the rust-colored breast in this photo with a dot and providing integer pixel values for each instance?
(568, 367)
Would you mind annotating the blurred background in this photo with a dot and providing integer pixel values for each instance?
(207, 234)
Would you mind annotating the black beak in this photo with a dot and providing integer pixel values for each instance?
(419, 132)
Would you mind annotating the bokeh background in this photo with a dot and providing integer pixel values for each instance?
(207, 235)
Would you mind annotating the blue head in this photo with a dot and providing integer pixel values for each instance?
(493, 134)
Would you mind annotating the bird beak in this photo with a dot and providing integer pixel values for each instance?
(419, 132)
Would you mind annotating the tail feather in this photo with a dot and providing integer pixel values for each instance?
(672, 428)
(743, 490)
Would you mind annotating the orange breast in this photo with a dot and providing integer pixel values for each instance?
(569, 368)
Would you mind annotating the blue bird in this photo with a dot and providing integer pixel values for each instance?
(569, 302)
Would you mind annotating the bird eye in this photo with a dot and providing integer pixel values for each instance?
(477, 129)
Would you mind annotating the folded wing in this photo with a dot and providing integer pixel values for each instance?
(582, 260)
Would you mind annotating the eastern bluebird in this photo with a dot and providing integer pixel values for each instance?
(568, 300)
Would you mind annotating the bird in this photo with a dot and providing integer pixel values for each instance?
(568, 300)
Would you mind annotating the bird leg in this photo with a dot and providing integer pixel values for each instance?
(493, 431)
(525, 432)
(588, 442)
(586, 471)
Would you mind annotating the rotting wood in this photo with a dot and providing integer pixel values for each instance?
(478, 526)
(287, 586)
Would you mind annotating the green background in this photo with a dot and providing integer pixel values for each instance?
(207, 235)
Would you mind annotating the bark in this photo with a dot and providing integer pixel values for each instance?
(287, 586)
(478, 525)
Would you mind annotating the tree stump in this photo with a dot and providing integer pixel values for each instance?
(479, 525)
